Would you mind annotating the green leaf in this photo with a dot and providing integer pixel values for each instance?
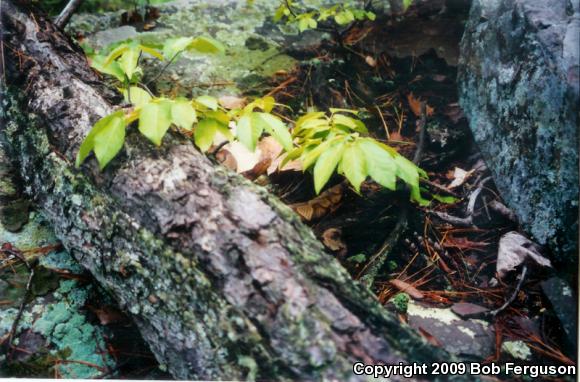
(275, 127)
(115, 53)
(89, 142)
(128, 61)
(407, 171)
(354, 165)
(351, 123)
(313, 123)
(303, 24)
(326, 164)
(334, 110)
(219, 116)
(279, 14)
(381, 165)
(410, 173)
(407, 4)
(183, 114)
(312, 23)
(205, 132)
(109, 141)
(174, 46)
(371, 16)
(113, 68)
(266, 103)
(308, 116)
(294, 154)
(306, 21)
(207, 101)
(154, 52)
(138, 97)
(225, 131)
(154, 120)
(445, 199)
(309, 157)
(344, 17)
(247, 132)
(206, 45)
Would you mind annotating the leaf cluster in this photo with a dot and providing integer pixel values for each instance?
(324, 143)
(341, 14)
(202, 117)
(338, 141)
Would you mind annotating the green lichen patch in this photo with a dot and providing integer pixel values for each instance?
(64, 323)
(254, 51)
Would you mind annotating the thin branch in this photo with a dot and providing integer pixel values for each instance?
(494, 313)
(64, 17)
(290, 8)
(163, 68)
(30, 268)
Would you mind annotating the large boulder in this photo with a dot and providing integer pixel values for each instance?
(518, 85)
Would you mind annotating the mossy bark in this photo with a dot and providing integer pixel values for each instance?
(222, 279)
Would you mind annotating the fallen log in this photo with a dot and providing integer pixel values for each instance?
(223, 281)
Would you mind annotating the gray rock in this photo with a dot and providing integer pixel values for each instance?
(565, 304)
(467, 338)
(518, 85)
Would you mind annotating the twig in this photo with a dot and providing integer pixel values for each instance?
(290, 8)
(421, 126)
(213, 154)
(439, 187)
(282, 86)
(503, 210)
(376, 262)
(494, 313)
(163, 69)
(455, 220)
(378, 259)
(24, 299)
(71, 7)
(384, 122)
(466, 221)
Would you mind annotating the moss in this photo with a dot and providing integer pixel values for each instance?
(401, 302)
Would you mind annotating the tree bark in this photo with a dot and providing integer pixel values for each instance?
(222, 279)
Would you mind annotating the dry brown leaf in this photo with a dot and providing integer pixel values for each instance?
(227, 159)
(322, 205)
(459, 177)
(370, 61)
(245, 159)
(396, 136)
(514, 250)
(232, 102)
(407, 288)
(259, 169)
(332, 239)
(415, 105)
(295, 165)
